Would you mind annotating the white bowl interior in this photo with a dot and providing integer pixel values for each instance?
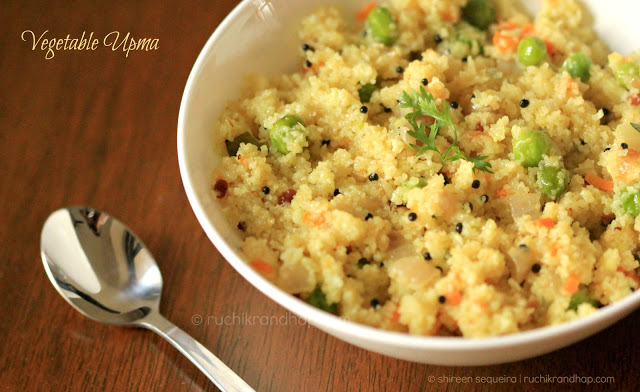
(260, 36)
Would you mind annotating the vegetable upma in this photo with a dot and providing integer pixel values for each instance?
(449, 168)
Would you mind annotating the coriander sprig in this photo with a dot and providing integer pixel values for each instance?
(636, 126)
(423, 104)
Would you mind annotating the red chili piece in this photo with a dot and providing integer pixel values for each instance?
(221, 187)
(286, 196)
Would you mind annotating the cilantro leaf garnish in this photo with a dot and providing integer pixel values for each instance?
(423, 104)
(636, 126)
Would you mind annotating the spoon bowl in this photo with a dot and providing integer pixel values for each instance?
(99, 266)
(105, 272)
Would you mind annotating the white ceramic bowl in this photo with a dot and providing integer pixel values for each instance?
(259, 36)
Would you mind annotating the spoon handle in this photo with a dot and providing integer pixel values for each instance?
(223, 377)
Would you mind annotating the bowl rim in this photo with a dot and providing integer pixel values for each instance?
(592, 323)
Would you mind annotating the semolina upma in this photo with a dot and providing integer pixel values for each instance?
(442, 167)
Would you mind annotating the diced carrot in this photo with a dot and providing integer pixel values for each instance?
(449, 17)
(315, 218)
(626, 164)
(527, 29)
(550, 47)
(487, 177)
(508, 26)
(395, 316)
(598, 182)
(501, 193)
(572, 283)
(454, 297)
(631, 275)
(314, 67)
(554, 248)
(481, 303)
(363, 12)
(261, 266)
(243, 161)
(634, 99)
(545, 222)
(504, 42)
(571, 87)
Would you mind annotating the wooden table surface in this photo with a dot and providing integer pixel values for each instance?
(97, 127)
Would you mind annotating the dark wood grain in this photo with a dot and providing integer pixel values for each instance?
(99, 128)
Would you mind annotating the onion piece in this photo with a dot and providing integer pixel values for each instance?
(400, 247)
(295, 278)
(628, 135)
(509, 68)
(413, 273)
(407, 266)
(522, 258)
(525, 204)
(402, 132)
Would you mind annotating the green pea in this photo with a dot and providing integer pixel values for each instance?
(552, 179)
(459, 49)
(531, 50)
(280, 132)
(578, 65)
(462, 47)
(465, 41)
(630, 202)
(479, 13)
(234, 145)
(529, 147)
(626, 72)
(579, 297)
(319, 300)
(382, 25)
(366, 91)
(415, 182)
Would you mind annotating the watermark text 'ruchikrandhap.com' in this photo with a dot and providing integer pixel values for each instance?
(244, 318)
(88, 42)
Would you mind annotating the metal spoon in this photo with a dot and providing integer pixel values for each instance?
(104, 271)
